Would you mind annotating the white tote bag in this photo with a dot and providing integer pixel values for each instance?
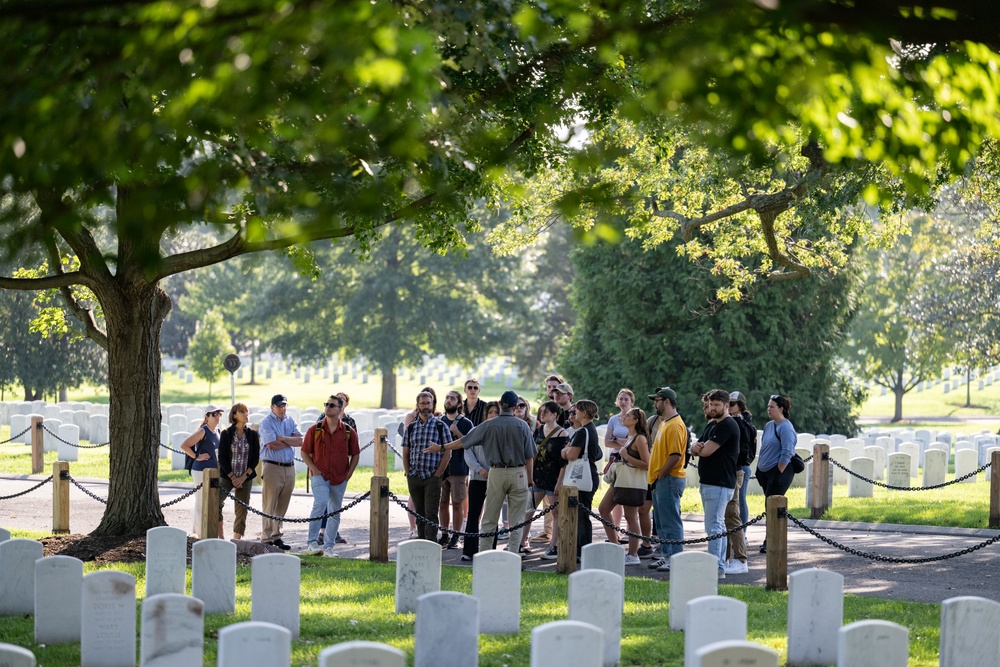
(578, 472)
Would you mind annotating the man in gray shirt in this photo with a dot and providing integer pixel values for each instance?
(510, 451)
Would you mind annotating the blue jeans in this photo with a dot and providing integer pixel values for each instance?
(326, 498)
(667, 513)
(744, 510)
(714, 500)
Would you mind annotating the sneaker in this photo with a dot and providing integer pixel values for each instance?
(665, 567)
(524, 550)
(735, 566)
(551, 554)
(503, 534)
(655, 565)
(339, 539)
(645, 552)
(443, 540)
(453, 542)
(632, 560)
(722, 574)
(466, 557)
(542, 537)
(763, 548)
(314, 548)
(329, 553)
(281, 545)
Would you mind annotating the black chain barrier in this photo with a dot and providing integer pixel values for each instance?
(71, 444)
(494, 533)
(346, 507)
(77, 484)
(886, 559)
(957, 480)
(15, 437)
(180, 498)
(657, 540)
(27, 491)
(175, 451)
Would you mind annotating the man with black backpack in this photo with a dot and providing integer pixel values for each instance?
(736, 547)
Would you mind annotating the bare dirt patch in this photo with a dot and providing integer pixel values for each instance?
(124, 549)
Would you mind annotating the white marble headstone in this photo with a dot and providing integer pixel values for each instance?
(735, 652)
(275, 590)
(898, 470)
(16, 656)
(99, 429)
(177, 456)
(360, 654)
(693, 574)
(250, 643)
(876, 454)
(873, 644)
(913, 449)
(58, 596)
(598, 597)
(567, 644)
(166, 560)
(17, 576)
(69, 433)
(970, 632)
(711, 619)
(857, 487)
(966, 461)
(603, 556)
(935, 467)
(841, 455)
(4, 534)
(815, 614)
(213, 575)
(173, 631)
(50, 443)
(857, 447)
(496, 583)
(450, 621)
(107, 612)
(418, 571)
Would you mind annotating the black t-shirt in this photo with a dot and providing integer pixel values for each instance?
(477, 415)
(548, 459)
(719, 469)
(457, 465)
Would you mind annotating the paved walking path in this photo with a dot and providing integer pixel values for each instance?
(976, 573)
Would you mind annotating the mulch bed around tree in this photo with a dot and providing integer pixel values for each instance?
(112, 549)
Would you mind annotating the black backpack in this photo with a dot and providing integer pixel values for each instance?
(748, 441)
(189, 460)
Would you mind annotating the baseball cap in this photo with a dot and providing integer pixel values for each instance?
(509, 398)
(564, 388)
(279, 400)
(212, 407)
(664, 392)
(737, 396)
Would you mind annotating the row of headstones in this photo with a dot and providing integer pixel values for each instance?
(10, 408)
(969, 454)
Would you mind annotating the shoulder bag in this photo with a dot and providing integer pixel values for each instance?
(630, 484)
(578, 472)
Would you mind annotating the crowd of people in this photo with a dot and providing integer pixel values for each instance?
(485, 467)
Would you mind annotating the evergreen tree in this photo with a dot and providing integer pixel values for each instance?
(647, 319)
(208, 347)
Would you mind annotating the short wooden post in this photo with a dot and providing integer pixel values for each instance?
(820, 480)
(209, 503)
(37, 445)
(378, 523)
(60, 498)
(777, 544)
(995, 490)
(381, 442)
(568, 520)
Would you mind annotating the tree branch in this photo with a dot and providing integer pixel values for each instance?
(48, 282)
(85, 315)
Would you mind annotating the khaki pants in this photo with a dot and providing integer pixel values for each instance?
(279, 482)
(736, 544)
(512, 484)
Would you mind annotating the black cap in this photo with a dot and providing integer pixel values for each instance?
(279, 400)
(509, 398)
(664, 392)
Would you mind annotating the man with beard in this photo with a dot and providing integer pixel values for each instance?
(455, 485)
(667, 476)
(717, 450)
(423, 467)
(737, 512)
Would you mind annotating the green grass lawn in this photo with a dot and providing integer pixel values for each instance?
(344, 600)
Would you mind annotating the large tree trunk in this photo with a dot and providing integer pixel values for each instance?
(388, 389)
(134, 418)
(898, 414)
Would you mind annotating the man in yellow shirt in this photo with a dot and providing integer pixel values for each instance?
(667, 476)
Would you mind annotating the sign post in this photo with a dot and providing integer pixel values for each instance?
(232, 364)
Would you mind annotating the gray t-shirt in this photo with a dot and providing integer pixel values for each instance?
(506, 440)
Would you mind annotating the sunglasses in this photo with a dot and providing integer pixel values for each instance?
(522, 405)
(334, 405)
(472, 388)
